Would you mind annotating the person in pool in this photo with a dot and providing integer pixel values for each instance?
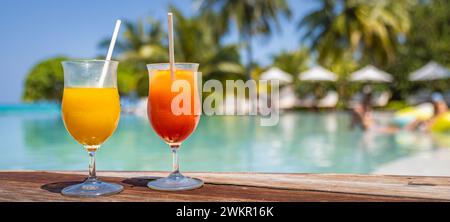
(362, 111)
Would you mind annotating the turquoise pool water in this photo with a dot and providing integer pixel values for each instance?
(34, 137)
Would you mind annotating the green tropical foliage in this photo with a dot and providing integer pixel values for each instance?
(45, 81)
(129, 77)
(251, 18)
(370, 30)
(141, 42)
(196, 40)
(342, 35)
(429, 40)
(293, 62)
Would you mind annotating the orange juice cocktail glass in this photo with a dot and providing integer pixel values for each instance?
(173, 110)
(91, 111)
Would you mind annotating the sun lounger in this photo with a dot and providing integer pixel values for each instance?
(288, 99)
(329, 101)
(356, 98)
(419, 97)
(380, 99)
(308, 101)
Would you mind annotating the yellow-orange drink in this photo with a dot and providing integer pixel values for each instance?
(91, 114)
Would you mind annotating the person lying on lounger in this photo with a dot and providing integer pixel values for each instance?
(440, 107)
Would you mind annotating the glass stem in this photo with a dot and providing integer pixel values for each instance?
(175, 163)
(92, 173)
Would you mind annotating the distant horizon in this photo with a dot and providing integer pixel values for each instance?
(45, 29)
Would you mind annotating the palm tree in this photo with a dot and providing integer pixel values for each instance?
(370, 30)
(251, 18)
(140, 44)
(198, 41)
(292, 62)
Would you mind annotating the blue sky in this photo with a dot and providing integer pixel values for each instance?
(36, 30)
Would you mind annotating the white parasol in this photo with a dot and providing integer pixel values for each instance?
(371, 74)
(317, 73)
(431, 71)
(275, 73)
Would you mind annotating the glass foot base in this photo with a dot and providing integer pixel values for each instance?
(92, 188)
(175, 182)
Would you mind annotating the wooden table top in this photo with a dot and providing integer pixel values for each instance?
(46, 186)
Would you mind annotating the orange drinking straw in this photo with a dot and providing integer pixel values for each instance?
(171, 49)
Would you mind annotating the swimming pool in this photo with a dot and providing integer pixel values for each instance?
(303, 142)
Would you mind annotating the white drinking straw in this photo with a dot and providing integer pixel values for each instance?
(110, 51)
(171, 50)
